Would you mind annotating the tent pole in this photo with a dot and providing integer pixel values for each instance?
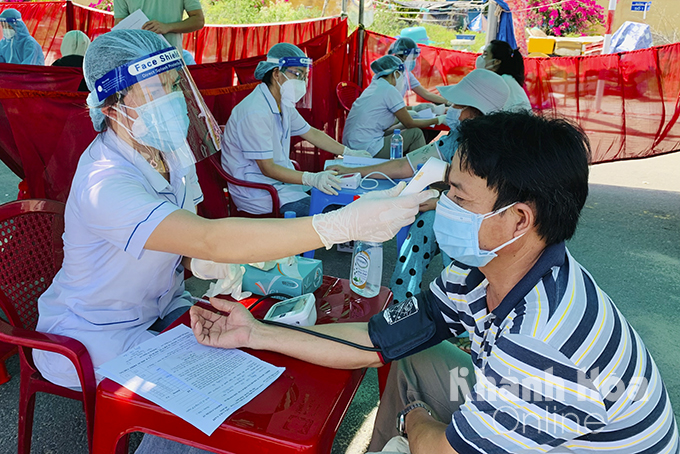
(606, 46)
(361, 43)
(343, 8)
(492, 26)
(69, 16)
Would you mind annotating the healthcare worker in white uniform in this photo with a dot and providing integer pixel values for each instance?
(258, 132)
(380, 108)
(130, 222)
(408, 52)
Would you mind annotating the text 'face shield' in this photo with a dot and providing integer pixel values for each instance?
(160, 111)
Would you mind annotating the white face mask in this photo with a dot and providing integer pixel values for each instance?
(8, 33)
(292, 91)
(480, 63)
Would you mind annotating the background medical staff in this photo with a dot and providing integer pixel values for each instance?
(381, 105)
(258, 132)
(408, 52)
(507, 62)
(17, 44)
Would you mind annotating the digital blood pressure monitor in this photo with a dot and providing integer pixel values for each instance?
(300, 311)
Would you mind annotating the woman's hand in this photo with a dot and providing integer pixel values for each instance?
(230, 328)
(341, 170)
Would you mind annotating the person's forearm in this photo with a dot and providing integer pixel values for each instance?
(428, 95)
(322, 140)
(425, 434)
(233, 240)
(188, 25)
(280, 173)
(316, 350)
(395, 168)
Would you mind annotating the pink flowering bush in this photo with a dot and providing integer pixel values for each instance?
(564, 18)
(106, 5)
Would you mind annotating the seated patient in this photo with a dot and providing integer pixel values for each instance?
(555, 367)
(381, 106)
(17, 45)
(479, 93)
(257, 137)
(73, 47)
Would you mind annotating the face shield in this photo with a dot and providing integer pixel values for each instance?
(411, 63)
(7, 29)
(160, 111)
(296, 90)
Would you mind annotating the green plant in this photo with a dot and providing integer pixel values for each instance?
(254, 11)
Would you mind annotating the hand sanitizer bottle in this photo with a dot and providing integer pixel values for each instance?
(366, 273)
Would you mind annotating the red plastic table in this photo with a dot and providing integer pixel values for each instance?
(299, 413)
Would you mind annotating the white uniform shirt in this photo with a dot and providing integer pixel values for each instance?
(110, 289)
(371, 114)
(257, 130)
(518, 99)
(410, 84)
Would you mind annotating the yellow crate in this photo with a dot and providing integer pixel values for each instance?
(543, 45)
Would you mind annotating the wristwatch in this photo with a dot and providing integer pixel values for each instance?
(401, 417)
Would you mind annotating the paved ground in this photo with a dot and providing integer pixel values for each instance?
(629, 239)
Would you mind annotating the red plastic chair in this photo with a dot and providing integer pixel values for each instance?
(233, 210)
(31, 253)
(347, 92)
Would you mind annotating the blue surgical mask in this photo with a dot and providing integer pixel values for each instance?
(457, 232)
(162, 123)
(410, 64)
(453, 118)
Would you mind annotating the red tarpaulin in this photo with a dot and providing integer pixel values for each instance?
(48, 21)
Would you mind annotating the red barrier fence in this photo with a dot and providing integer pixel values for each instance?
(48, 21)
(635, 116)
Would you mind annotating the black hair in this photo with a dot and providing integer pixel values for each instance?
(532, 159)
(268, 77)
(511, 60)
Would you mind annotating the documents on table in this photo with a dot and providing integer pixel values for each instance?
(425, 114)
(202, 385)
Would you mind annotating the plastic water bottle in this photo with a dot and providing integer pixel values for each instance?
(397, 145)
(366, 273)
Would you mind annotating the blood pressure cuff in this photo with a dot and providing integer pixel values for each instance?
(408, 327)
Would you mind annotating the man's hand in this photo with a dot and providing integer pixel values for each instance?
(157, 27)
(428, 205)
(231, 328)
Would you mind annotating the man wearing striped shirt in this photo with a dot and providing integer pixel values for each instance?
(554, 366)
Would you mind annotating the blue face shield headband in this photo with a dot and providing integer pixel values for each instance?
(126, 75)
(457, 232)
(288, 62)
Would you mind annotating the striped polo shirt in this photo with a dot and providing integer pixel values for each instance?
(557, 367)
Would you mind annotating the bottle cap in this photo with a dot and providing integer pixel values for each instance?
(289, 214)
(397, 131)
